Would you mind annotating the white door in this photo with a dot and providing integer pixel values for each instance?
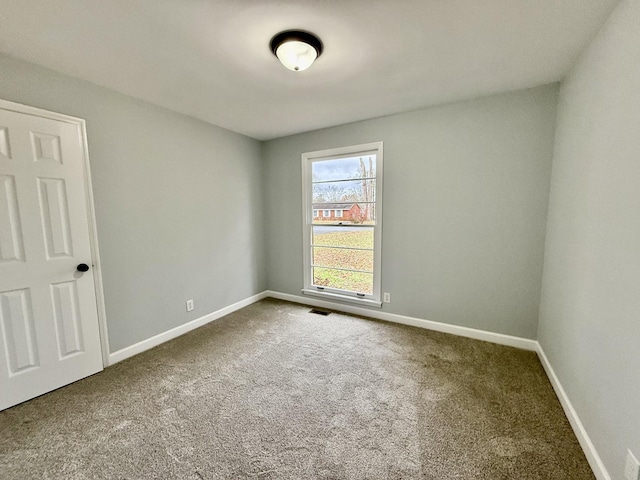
(49, 331)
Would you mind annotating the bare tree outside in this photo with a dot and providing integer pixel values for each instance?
(368, 189)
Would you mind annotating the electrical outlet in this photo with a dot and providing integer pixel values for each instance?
(387, 297)
(190, 305)
(632, 467)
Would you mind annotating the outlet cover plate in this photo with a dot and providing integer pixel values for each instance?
(190, 305)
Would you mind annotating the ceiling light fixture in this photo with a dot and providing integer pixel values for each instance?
(296, 49)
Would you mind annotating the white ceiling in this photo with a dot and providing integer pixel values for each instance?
(210, 58)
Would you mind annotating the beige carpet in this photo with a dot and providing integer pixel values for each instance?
(275, 392)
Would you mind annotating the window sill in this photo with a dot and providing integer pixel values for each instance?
(343, 298)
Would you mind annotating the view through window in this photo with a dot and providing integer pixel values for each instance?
(342, 231)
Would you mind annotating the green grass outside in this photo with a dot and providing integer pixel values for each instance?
(354, 259)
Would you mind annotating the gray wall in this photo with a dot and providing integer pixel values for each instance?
(178, 203)
(465, 203)
(590, 308)
(180, 209)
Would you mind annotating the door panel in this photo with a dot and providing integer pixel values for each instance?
(18, 331)
(55, 219)
(48, 310)
(11, 244)
(68, 324)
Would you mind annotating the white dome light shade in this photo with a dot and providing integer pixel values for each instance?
(296, 49)
(296, 55)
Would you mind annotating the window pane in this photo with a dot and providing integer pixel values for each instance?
(341, 258)
(343, 280)
(358, 237)
(344, 168)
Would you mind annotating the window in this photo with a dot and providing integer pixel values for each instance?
(315, 213)
(342, 258)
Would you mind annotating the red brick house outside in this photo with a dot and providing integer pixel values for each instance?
(337, 212)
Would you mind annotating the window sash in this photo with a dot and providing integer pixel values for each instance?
(313, 245)
(355, 179)
(308, 159)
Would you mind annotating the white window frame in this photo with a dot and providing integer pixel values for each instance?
(339, 213)
(365, 299)
(326, 214)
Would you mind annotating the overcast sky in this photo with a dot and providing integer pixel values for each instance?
(340, 169)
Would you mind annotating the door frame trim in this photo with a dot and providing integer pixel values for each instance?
(91, 215)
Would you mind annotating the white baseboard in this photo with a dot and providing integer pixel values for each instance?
(140, 347)
(589, 449)
(518, 342)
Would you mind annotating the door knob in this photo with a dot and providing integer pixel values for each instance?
(83, 267)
